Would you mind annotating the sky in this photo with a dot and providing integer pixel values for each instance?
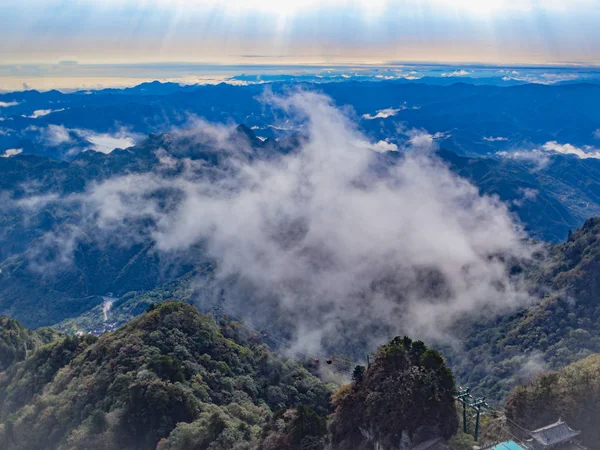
(299, 31)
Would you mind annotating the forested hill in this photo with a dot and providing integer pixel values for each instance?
(169, 376)
(562, 328)
(174, 379)
(571, 394)
(17, 342)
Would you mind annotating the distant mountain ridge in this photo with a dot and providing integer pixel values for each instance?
(522, 116)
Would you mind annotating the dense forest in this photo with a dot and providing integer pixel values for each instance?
(406, 396)
(561, 328)
(170, 376)
(175, 379)
(571, 394)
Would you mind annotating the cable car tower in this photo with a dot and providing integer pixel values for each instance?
(478, 405)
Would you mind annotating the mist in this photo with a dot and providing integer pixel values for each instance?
(332, 246)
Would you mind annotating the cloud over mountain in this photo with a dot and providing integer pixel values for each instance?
(326, 241)
(383, 113)
(568, 149)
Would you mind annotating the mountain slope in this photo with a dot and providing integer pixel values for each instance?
(404, 398)
(17, 342)
(563, 327)
(168, 371)
(571, 394)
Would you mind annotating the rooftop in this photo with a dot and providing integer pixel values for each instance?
(510, 445)
(554, 434)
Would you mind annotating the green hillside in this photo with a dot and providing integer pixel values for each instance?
(168, 375)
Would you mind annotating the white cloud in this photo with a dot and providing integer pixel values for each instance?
(106, 143)
(8, 104)
(379, 147)
(42, 112)
(537, 158)
(55, 135)
(316, 240)
(568, 149)
(510, 72)
(11, 152)
(410, 76)
(421, 140)
(545, 78)
(384, 113)
(456, 73)
(527, 195)
(597, 133)
(495, 139)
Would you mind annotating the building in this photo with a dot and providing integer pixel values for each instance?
(557, 436)
(510, 445)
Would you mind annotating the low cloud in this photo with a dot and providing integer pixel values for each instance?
(456, 73)
(379, 147)
(568, 149)
(421, 140)
(106, 143)
(42, 112)
(495, 139)
(531, 366)
(384, 113)
(317, 243)
(8, 104)
(545, 78)
(527, 195)
(58, 135)
(11, 152)
(55, 135)
(536, 158)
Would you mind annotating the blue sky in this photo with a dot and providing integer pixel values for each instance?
(300, 31)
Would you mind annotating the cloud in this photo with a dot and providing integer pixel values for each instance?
(545, 78)
(527, 195)
(597, 133)
(316, 243)
(540, 157)
(11, 152)
(42, 112)
(55, 135)
(379, 147)
(8, 104)
(456, 73)
(531, 366)
(568, 149)
(495, 139)
(106, 143)
(537, 158)
(421, 140)
(384, 113)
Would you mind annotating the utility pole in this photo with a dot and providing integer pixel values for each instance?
(478, 404)
(464, 397)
